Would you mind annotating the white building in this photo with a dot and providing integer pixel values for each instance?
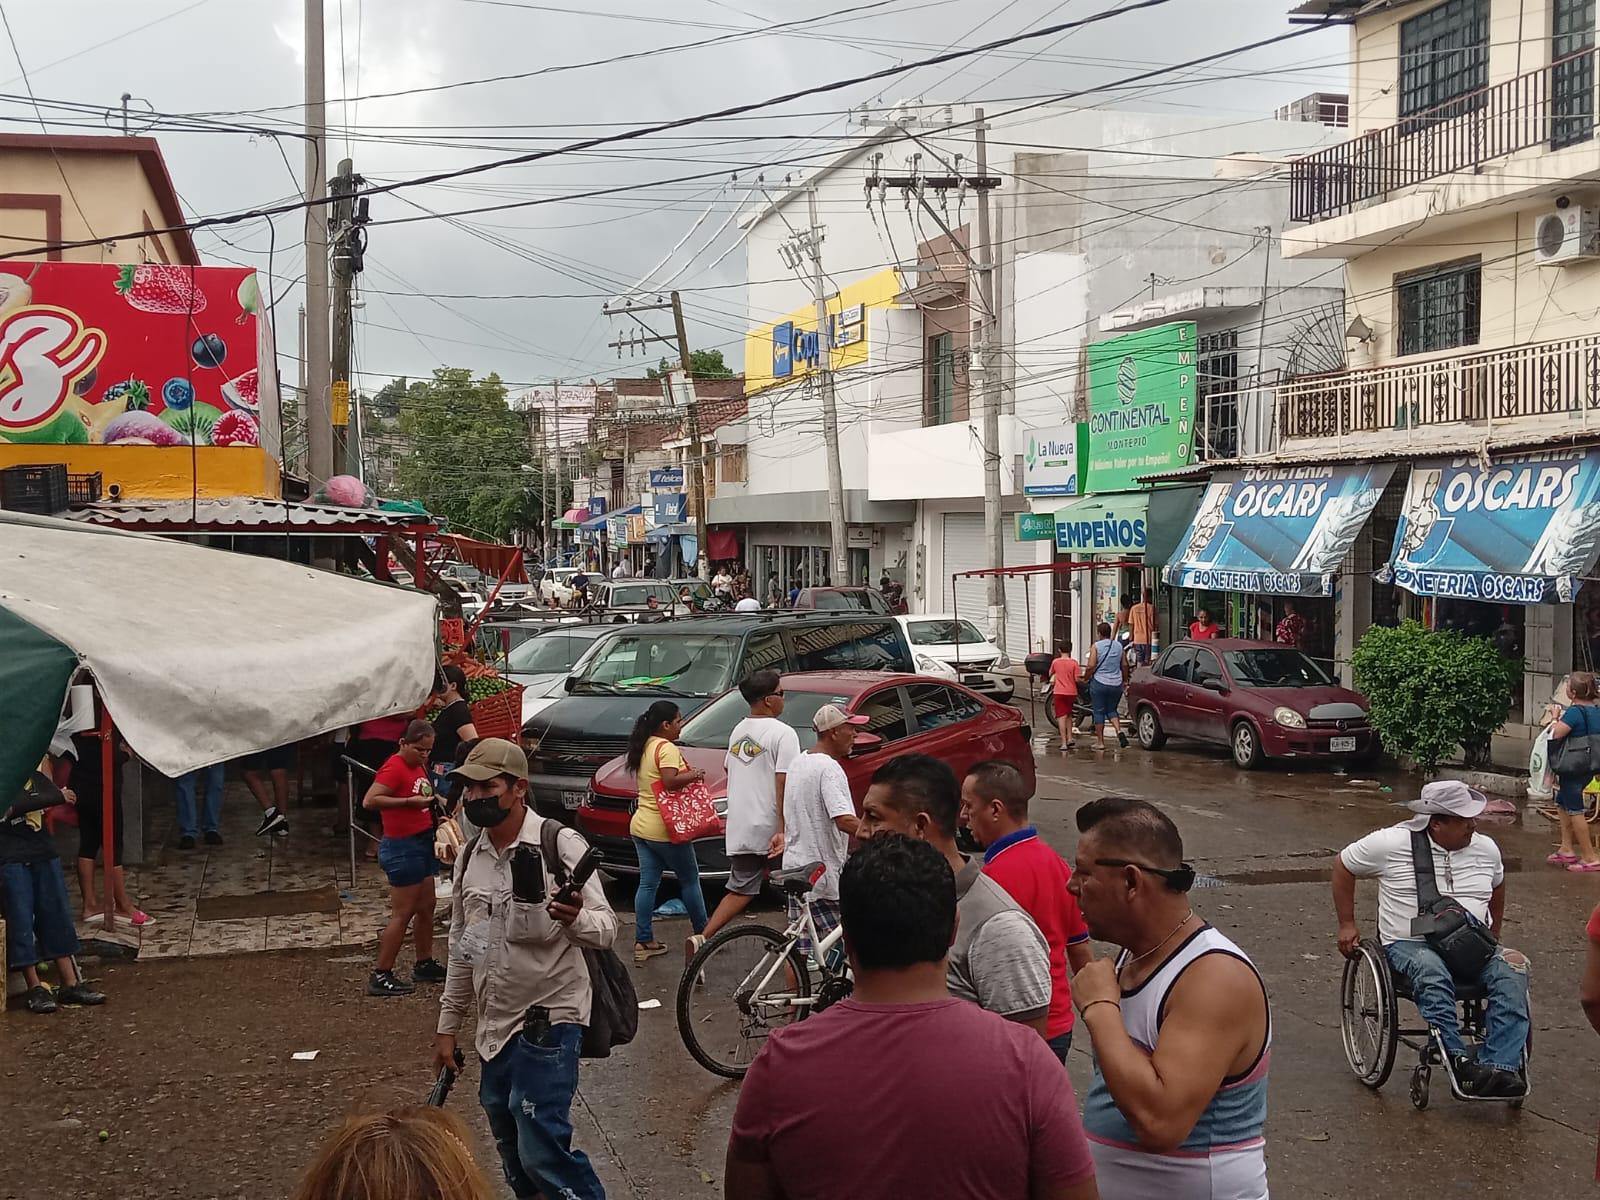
(1102, 221)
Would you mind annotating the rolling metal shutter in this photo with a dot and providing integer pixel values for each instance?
(964, 550)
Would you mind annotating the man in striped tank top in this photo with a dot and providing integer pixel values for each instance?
(1179, 1020)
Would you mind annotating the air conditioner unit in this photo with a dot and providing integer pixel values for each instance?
(1566, 235)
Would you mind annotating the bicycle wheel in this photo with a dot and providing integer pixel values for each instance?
(743, 984)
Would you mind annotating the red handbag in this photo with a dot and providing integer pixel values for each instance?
(687, 812)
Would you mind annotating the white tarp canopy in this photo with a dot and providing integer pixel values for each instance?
(204, 655)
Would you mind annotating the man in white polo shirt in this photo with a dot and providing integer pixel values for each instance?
(1468, 869)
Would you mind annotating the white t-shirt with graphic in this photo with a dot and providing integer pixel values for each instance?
(759, 750)
(815, 791)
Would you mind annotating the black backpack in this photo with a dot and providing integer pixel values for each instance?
(614, 1010)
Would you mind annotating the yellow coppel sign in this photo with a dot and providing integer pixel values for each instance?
(790, 348)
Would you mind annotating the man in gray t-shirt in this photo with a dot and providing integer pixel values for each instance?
(1000, 960)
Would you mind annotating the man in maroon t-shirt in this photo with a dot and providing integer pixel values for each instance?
(994, 800)
(902, 1090)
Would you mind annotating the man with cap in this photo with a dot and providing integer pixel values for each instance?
(516, 960)
(819, 817)
(1467, 868)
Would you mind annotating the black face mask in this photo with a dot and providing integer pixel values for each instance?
(485, 811)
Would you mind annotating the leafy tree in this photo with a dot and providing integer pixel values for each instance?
(1431, 690)
(465, 452)
(703, 364)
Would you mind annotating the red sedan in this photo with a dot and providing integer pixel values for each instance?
(906, 714)
(1260, 699)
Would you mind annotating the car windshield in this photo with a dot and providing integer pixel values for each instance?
(553, 651)
(698, 588)
(634, 596)
(1270, 668)
(943, 633)
(842, 601)
(651, 660)
(712, 726)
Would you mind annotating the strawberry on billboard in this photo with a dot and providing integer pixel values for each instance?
(137, 354)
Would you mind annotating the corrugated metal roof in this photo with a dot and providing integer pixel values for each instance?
(243, 513)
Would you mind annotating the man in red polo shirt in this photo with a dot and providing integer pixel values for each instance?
(994, 801)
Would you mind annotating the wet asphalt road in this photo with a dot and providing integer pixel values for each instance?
(188, 1069)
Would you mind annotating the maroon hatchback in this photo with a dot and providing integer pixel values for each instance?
(1261, 699)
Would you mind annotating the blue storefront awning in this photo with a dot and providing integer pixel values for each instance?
(1521, 530)
(1277, 530)
(600, 521)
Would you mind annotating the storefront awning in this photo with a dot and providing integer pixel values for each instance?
(1171, 511)
(1277, 530)
(1521, 530)
(1109, 523)
(600, 521)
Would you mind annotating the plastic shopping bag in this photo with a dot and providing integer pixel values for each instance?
(1541, 780)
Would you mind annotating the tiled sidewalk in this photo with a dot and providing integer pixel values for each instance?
(172, 884)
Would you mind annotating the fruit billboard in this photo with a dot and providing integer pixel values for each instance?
(139, 354)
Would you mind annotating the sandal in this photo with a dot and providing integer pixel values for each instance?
(644, 951)
(1584, 867)
(1561, 858)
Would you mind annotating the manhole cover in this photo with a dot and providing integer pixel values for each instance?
(268, 904)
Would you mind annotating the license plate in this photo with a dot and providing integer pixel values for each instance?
(1342, 744)
(574, 800)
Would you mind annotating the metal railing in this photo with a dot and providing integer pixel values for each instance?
(1538, 379)
(1551, 107)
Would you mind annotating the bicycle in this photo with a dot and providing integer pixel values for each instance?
(752, 979)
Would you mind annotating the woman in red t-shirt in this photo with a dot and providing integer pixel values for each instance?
(1064, 674)
(403, 799)
(1201, 629)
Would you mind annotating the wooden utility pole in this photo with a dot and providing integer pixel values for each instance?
(343, 184)
(989, 392)
(837, 536)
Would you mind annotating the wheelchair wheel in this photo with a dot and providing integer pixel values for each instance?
(1419, 1086)
(1368, 1019)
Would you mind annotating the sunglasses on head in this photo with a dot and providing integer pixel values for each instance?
(1179, 878)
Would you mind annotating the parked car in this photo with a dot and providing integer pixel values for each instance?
(462, 574)
(698, 588)
(953, 647)
(842, 599)
(542, 664)
(623, 600)
(1261, 699)
(906, 714)
(688, 662)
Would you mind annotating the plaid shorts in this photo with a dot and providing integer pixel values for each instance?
(824, 915)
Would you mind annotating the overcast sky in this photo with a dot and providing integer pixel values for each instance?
(240, 61)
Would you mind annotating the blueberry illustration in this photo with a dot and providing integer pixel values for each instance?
(86, 381)
(177, 394)
(209, 350)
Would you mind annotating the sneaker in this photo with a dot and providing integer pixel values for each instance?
(387, 983)
(81, 994)
(186, 842)
(1122, 739)
(691, 946)
(213, 838)
(39, 1000)
(428, 970)
(1501, 1084)
(644, 951)
(1469, 1074)
(271, 821)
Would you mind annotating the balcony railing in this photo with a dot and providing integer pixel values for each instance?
(1542, 379)
(1552, 107)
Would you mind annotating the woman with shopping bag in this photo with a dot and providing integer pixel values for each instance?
(670, 813)
(1574, 757)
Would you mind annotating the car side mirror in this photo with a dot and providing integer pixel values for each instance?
(1215, 685)
(569, 684)
(865, 743)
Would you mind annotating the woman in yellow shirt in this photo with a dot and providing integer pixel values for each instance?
(654, 758)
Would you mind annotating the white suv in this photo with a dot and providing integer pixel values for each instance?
(953, 648)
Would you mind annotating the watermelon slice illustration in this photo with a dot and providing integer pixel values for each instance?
(244, 391)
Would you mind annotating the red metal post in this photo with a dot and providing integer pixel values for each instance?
(108, 838)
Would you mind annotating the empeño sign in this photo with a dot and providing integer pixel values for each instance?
(1142, 392)
(1051, 466)
(1113, 524)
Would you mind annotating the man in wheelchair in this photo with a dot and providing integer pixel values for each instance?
(1467, 870)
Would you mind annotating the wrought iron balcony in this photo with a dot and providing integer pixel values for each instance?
(1540, 379)
(1553, 107)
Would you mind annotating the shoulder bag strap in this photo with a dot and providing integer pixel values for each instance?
(550, 843)
(1422, 866)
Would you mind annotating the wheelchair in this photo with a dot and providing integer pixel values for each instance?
(1369, 996)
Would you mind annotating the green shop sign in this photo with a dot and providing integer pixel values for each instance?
(1035, 527)
(1141, 406)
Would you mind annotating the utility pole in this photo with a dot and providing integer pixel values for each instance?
(830, 415)
(341, 187)
(544, 471)
(989, 390)
(319, 380)
(702, 555)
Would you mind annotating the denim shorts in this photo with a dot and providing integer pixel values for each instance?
(1569, 792)
(33, 897)
(407, 861)
(1104, 699)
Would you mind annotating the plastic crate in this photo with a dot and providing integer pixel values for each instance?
(83, 489)
(34, 488)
